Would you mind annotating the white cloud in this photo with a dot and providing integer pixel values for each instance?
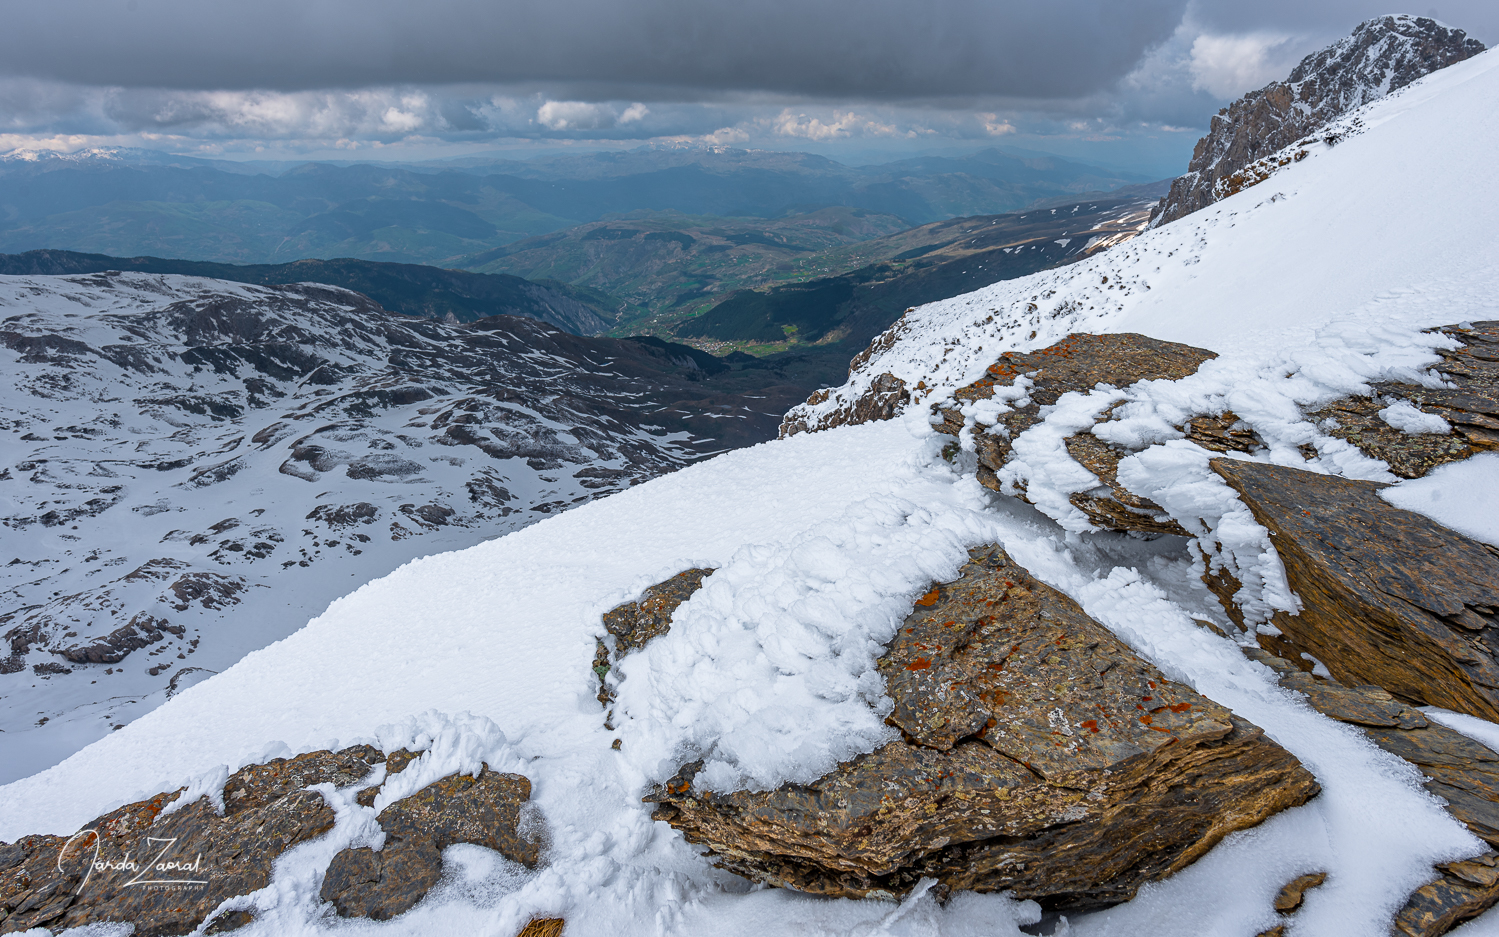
(1226, 66)
(841, 125)
(586, 115)
(994, 126)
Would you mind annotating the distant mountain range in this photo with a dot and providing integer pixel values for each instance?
(133, 202)
(412, 289)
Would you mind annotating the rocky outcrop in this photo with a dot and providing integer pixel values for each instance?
(1078, 363)
(484, 810)
(886, 395)
(166, 873)
(1383, 55)
(1460, 771)
(1469, 404)
(1389, 597)
(632, 624)
(1038, 755)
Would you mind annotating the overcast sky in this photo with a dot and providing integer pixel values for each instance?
(1127, 83)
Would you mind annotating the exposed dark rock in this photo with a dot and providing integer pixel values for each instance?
(381, 884)
(345, 515)
(396, 762)
(111, 872)
(1465, 890)
(1460, 771)
(1078, 363)
(142, 630)
(1470, 406)
(1389, 597)
(1383, 55)
(634, 623)
(1038, 755)
(886, 395)
(1292, 893)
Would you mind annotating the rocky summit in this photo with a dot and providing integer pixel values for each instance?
(1037, 755)
(1382, 55)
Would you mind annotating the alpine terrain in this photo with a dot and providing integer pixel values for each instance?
(1152, 593)
(194, 467)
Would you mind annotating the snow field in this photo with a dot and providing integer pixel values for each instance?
(1318, 279)
(766, 672)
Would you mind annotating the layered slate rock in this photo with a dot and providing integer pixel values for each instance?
(1382, 55)
(166, 873)
(1081, 362)
(1470, 405)
(483, 810)
(632, 624)
(1038, 754)
(1389, 597)
(1459, 770)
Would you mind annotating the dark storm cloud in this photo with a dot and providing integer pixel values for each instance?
(831, 48)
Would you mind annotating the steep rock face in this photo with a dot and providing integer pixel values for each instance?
(484, 810)
(1389, 597)
(166, 874)
(1383, 55)
(1038, 755)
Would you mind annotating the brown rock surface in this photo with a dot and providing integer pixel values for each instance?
(111, 871)
(634, 623)
(1460, 771)
(383, 883)
(1389, 597)
(1470, 405)
(1039, 755)
(1464, 890)
(1078, 363)
(1293, 893)
(886, 395)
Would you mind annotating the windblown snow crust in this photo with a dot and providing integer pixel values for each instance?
(1308, 287)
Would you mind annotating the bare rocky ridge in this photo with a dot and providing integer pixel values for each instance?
(1382, 55)
(1038, 755)
(105, 872)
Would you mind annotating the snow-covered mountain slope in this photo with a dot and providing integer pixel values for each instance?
(821, 542)
(1382, 55)
(1394, 223)
(192, 468)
